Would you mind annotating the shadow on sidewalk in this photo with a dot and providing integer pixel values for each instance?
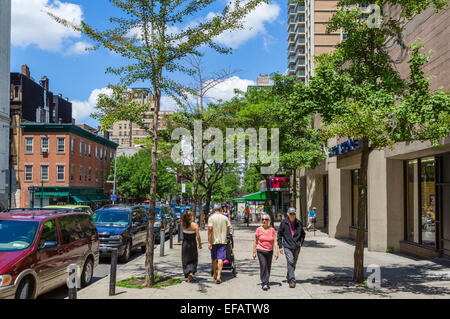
(394, 279)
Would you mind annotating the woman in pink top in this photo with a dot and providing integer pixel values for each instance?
(265, 242)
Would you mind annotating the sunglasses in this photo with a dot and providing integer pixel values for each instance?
(265, 219)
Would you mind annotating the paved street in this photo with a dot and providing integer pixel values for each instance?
(321, 259)
(100, 272)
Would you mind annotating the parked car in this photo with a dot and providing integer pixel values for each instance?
(81, 208)
(162, 219)
(37, 246)
(175, 220)
(122, 227)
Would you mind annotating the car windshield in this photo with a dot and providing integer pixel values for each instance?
(112, 218)
(17, 235)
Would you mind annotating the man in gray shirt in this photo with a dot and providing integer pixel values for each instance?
(218, 229)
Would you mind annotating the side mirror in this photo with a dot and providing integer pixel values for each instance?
(48, 245)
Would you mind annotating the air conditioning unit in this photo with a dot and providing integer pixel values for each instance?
(45, 150)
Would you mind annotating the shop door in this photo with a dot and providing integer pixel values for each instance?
(443, 188)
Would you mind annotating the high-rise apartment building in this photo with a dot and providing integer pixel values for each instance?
(5, 44)
(128, 134)
(307, 37)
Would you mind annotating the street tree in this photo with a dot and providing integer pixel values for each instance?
(359, 93)
(144, 35)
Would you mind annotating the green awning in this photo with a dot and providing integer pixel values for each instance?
(259, 196)
(239, 200)
(98, 198)
(51, 194)
(81, 199)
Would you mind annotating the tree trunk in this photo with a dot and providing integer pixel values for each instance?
(150, 238)
(207, 202)
(358, 272)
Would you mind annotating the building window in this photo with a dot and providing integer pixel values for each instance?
(16, 92)
(85, 149)
(72, 173)
(81, 149)
(60, 173)
(44, 145)
(420, 183)
(81, 174)
(28, 173)
(85, 174)
(89, 150)
(72, 145)
(44, 173)
(96, 152)
(90, 174)
(428, 201)
(61, 144)
(96, 175)
(101, 153)
(412, 202)
(28, 145)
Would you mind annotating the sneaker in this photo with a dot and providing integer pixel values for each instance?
(292, 284)
(265, 287)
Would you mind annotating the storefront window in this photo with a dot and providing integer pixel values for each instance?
(428, 201)
(412, 202)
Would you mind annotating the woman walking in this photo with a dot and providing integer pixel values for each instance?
(189, 252)
(264, 245)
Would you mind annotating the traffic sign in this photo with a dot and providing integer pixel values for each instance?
(113, 197)
(33, 189)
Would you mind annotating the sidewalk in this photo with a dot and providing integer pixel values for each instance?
(321, 258)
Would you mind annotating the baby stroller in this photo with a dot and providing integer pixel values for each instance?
(229, 263)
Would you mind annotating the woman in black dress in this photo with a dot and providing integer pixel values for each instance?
(189, 253)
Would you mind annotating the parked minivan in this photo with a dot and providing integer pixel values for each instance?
(122, 227)
(37, 246)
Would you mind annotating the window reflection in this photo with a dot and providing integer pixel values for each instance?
(428, 200)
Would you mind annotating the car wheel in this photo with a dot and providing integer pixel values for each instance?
(25, 289)
(126, 254)
(88, 273)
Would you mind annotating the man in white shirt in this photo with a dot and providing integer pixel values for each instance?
(218, 229)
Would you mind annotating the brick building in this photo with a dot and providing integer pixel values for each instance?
(64, 163)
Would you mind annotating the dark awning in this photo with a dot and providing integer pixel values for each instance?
(81, 199)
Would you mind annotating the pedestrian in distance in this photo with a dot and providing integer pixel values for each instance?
(290, 240)
(189, 252)
(218, 229)
(226, 213)
(264, 246)
(247, 215)
(311, 218)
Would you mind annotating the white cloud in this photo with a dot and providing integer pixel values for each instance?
(31, 25)
(225, 90)
(254, 25)
(82, 109)
(78, 48)
(168, 103)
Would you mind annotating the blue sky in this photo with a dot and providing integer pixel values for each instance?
(57, 52)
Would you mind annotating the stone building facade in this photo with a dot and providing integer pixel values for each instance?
(5, 44)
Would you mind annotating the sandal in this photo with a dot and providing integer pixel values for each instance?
(218, 281)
